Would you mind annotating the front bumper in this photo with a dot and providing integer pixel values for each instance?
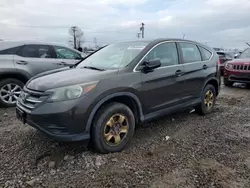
(62, 121)
(241, 77)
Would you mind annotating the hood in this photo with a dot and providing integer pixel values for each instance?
(65, 76)
(240, 61)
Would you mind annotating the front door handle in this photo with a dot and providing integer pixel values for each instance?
(179, 73)
(205, 67)
(22, 62)
(61, 64)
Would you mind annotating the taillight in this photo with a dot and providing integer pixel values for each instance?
(218, 62)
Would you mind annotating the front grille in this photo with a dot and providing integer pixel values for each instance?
(241, 67)
(31, 99)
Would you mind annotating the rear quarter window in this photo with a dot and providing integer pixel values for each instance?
(205, 54)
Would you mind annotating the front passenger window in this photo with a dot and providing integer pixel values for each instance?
(65, 53)
(166, 53)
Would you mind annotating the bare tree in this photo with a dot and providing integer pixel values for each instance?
(77, 35)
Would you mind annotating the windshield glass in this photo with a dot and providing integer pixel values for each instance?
(114, 56)
(245, 54)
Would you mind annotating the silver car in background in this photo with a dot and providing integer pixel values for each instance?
(19, 61)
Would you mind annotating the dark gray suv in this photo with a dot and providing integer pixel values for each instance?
(105, 96)
(19, 61)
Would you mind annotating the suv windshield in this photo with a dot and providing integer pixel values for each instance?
(245, 54)
(114, 56)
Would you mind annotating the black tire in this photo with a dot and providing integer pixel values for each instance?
(202, 108)
(99, 124)
(3, 83)
(227, 82)
(222, 72)
(248, 86)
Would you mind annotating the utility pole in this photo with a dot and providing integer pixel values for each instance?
(138, 35)
(74, 28)
(142, 29)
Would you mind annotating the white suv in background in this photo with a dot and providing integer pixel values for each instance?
(19, 61)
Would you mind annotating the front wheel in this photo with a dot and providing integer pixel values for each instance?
(208, 98)
(113, 128)
(10, 90)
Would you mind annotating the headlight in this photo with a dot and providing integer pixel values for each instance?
(229, 66)
(70, 92)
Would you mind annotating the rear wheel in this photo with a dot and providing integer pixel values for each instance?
(207, 100)
(113, 128)
(227, 82)
(10, 90)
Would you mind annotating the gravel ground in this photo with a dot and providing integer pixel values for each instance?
(182, 150)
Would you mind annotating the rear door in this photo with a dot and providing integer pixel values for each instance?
(7, 58)
(35, 58)
(65, 56)
(194, 68)
(162, 88)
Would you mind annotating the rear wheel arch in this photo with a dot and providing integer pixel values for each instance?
(129, 99)
(15, 75)
(214, 82)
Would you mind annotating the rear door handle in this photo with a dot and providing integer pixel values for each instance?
(179, 73)
(205, 67)
(22, 62)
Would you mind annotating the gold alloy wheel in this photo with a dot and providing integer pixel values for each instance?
(116, 129)
(209, 99)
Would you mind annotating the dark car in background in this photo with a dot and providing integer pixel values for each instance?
(224, 57)
(238, 70)
(122, 85)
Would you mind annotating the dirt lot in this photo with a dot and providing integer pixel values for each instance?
(211, 151)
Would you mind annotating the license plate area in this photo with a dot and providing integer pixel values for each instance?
(21, 115)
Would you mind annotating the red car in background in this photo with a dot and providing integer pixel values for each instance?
(224, 57)
(238, 70)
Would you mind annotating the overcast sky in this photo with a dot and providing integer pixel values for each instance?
(219, 23)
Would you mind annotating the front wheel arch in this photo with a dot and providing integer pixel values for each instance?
(109, 98)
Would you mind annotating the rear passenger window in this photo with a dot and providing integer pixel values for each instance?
(35, 51)
(190, 52)
(205, 53)
(10, 51)
(166, 53)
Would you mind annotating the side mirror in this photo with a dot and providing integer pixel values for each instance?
(149, 66)
(236, 56)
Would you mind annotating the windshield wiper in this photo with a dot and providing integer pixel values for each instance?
(93, 68)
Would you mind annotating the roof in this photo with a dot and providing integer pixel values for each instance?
(9, 43)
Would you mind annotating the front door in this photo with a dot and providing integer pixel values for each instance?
(162, 88)
(65, 56)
